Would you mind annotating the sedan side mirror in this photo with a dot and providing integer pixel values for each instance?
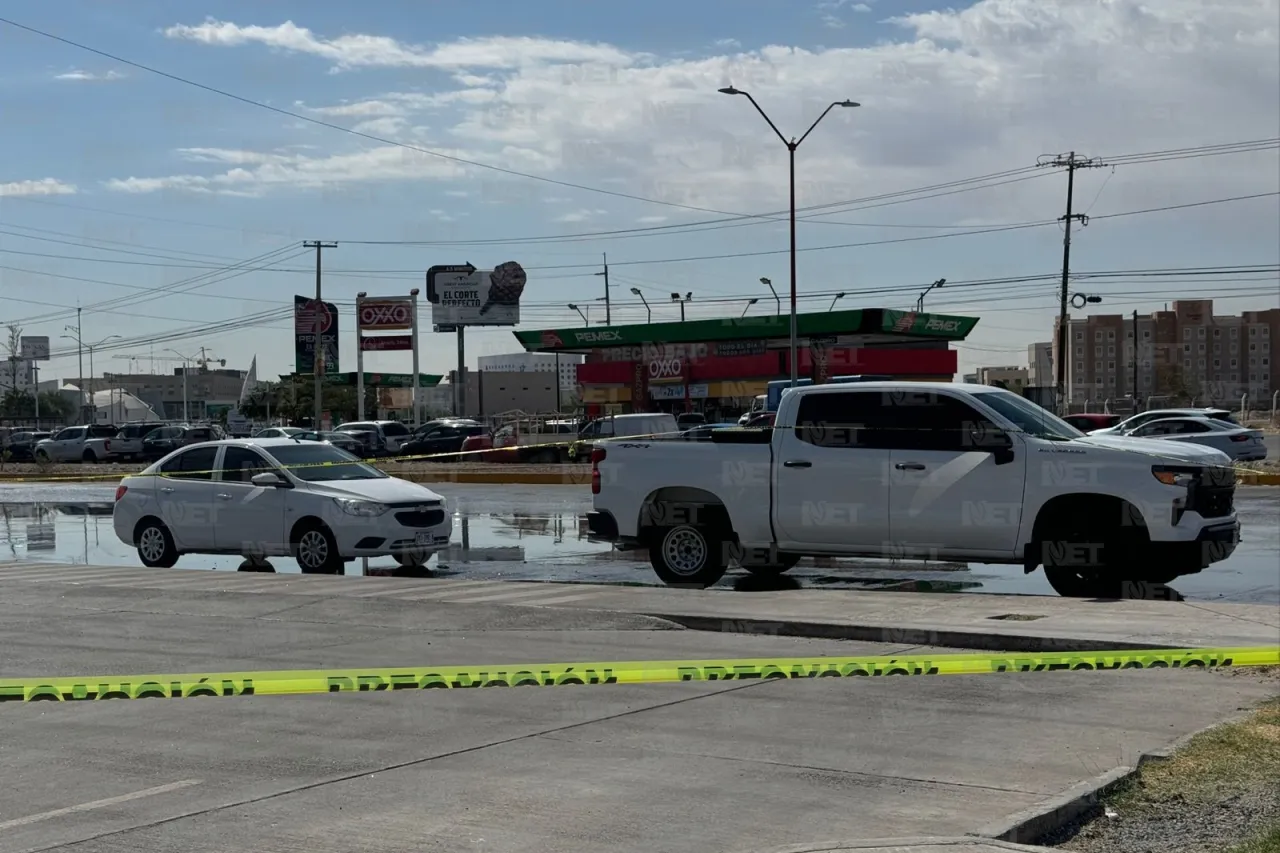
(269, 479)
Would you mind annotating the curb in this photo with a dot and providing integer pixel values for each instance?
(1257, 478)
(1050, 815)
(953, 639)
(906, 844)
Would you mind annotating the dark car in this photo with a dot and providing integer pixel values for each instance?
(342, 440)
(1089, 421)
(163, 441)
(702, 432)
(442, 437)
(22, 445)
(689, 420)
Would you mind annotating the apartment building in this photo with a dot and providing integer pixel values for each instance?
(1040, 365)
(1012, 377)
(1183, 353)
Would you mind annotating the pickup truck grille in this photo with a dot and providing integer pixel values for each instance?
(1213, 494)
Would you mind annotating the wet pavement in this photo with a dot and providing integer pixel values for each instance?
(540, 533)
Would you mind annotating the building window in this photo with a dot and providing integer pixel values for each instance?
(1265, 361)
(1200, 332)
(1097, 336)
(1111, 334)
(1233, 362)
(1217, 362)
(1217, 333)
(1080, 352)
(1079, 336)
(1128, 336)
(1097, 352)
(1080, 367)
(1217, 348)
(1235, 332)
(1253, 331)
(1253, 347)
(1111, 350)
(1202, 348)
(1111, 365)
(1146, 334)
(1186, 334)
(1186, 347)
(1201, 363)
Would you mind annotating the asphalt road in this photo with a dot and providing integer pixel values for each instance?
(539, 533)
(698, 767)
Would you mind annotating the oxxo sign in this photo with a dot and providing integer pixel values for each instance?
(665, 368)
(386, 314)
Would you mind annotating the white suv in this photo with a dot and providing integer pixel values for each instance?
(277, 497)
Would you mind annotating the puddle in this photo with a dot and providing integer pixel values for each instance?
(540, 533)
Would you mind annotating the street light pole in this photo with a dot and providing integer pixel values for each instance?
(747, 307)
(769, 284)
(608, 314)
(792, 145)
(647, 309)
(925, 292)
(675, 297)
(834, 300)
(585, 320)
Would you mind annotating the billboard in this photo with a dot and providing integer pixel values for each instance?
(304, 337)
(464, 296)
(376, 315)
(35, 347)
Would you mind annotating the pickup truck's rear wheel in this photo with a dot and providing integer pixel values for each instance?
(688, 555)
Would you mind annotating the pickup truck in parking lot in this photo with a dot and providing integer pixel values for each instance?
(934, 471)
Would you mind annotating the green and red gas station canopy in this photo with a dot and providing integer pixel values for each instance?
(868, 321)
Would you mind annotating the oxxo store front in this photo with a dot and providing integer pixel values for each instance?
(718, 366)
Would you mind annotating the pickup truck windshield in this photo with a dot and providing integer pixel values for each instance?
(1027, 416)
(322, 463)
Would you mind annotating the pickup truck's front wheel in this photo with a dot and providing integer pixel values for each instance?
(688, 555)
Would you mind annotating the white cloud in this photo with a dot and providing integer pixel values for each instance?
(44, 186)
(353, 51)
(860, 7)
(581, 215)
(651, 220)
(959, 93)
(727, 43)
(90, 76)
(254, 172)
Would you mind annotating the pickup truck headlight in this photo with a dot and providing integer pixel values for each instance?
(1175, 476)
(365, 509)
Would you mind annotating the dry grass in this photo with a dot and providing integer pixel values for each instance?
(1265, 842)
(1213, 764)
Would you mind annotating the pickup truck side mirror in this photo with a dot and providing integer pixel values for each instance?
(995, 441)
(270, 479)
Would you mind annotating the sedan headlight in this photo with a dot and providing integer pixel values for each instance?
(1175, 476)
(365, 509)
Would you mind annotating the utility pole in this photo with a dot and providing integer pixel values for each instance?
(608, 316)
(1070, 162)
(80, 355)
(1135, 362)
(318, 367)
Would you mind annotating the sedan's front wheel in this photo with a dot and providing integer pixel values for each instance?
(316, 550)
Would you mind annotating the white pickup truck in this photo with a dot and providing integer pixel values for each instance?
(908, 470)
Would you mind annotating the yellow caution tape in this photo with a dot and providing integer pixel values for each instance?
(295, 682)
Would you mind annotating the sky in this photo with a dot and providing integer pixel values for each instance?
(555, 134)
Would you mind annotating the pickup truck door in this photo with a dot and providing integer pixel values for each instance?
(831, 492)
(948, 490)
(67, 444)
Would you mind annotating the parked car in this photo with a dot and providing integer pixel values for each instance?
(1240, 443)
(277, 497)
(77, 444)
(689, 420)
(703, 432)
(386, 436)
(343, 440)
(759, 419)
(1091, 421)
(442, 437)
(128, 442)
(278, 432)
(646, 424)
(161, 442)
(22, 445)
(974, 474)
(1130, 424)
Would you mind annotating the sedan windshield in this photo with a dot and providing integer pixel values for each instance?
(322, 463)
(1027, 416)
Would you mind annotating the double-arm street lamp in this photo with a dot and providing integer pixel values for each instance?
(93, 403)
(792, 145)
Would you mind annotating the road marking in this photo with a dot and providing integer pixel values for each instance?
(98, 804)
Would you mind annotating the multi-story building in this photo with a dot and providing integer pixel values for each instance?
(541, 362)
(1183, 354)
(1012, 377)
(207, 391)
(1040, 365)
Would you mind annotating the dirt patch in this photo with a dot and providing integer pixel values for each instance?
(1218, 794)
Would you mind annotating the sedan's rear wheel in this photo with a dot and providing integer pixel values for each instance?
(155, 544)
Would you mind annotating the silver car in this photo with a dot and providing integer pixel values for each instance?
(1240, 443)
(1128, 425)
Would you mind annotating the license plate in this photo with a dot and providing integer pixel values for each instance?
(422, 539)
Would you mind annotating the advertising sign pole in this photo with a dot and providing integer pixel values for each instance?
(413, 330)
(359, 359)
(460, 391)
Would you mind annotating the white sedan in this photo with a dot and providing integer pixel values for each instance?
(277, 497)
(1240, 443)
(278, 432)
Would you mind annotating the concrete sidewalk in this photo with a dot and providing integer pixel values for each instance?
(729, 767)
(994, 622)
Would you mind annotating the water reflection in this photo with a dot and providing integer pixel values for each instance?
(497, 538)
